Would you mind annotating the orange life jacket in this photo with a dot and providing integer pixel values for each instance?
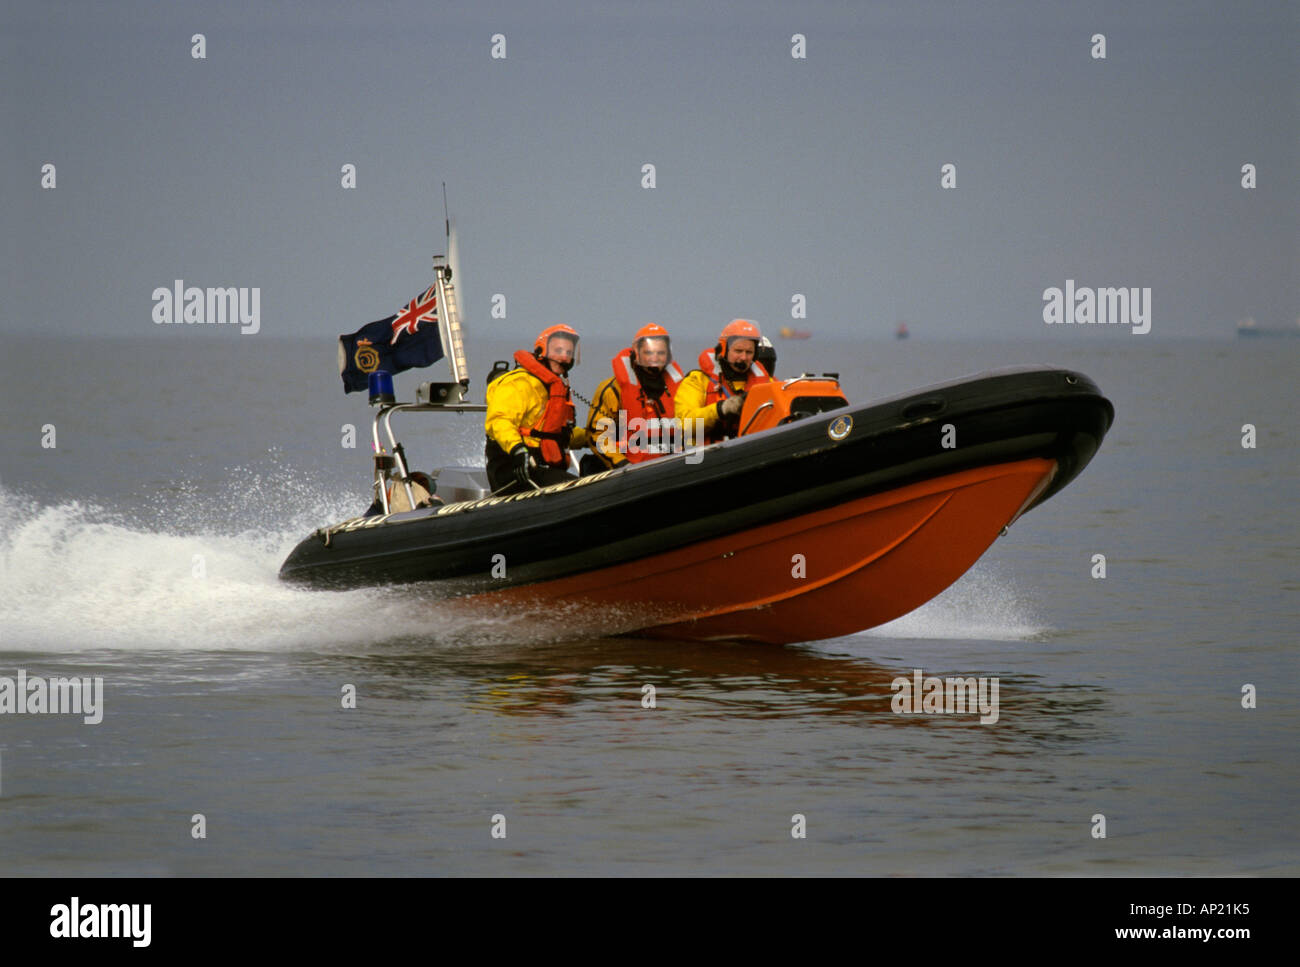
(655, 412)
(720, 389)
(556, 422)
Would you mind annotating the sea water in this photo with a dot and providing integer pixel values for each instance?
(1147, 719)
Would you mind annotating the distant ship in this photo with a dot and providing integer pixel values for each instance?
(785, 332)
(1249, 329)
(902, 332)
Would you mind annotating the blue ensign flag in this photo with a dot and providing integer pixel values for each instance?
(407, 340)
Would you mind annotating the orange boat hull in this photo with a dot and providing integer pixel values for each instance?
(821, 575)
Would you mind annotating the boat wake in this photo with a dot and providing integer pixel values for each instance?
(78, 577)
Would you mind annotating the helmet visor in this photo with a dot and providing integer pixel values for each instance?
(653, 352)
(564, 348)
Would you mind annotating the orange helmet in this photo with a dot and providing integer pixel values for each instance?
(652, 331)
(738, 329)
(544, 338)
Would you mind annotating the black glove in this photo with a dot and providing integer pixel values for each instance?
(519, 457)
(732, 405)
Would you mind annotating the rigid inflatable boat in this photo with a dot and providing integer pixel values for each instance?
(821, 519)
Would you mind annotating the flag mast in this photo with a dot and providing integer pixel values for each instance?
(449, 318)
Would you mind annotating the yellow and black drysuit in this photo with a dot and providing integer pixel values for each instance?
(702, 392)
(530, 405)
(649, 396)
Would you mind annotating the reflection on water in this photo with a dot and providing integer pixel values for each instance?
(723, 681)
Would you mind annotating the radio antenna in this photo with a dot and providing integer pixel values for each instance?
(446, 217)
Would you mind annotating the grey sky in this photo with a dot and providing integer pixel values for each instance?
(775, 175)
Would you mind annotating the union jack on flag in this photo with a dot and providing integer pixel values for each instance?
(423, 309)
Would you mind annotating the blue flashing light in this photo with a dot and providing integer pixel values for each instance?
(381, 387)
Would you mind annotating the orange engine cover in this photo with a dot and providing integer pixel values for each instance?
(773, 403)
